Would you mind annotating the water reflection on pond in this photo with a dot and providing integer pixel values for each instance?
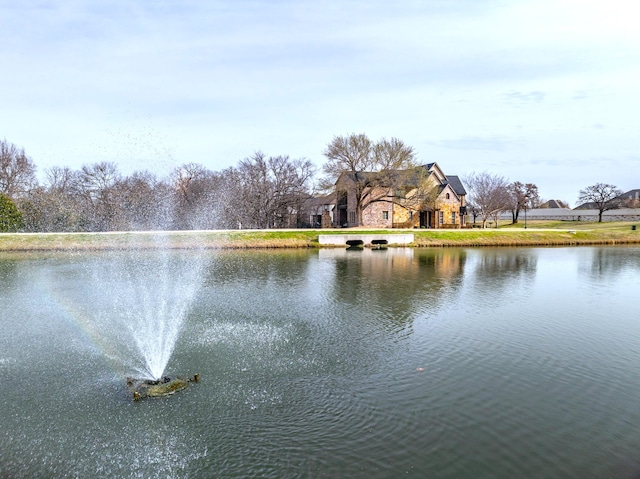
(448, 363)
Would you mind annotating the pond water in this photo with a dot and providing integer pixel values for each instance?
(447, 363)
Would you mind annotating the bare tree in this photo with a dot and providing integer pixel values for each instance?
(48, 210)
(17, 171)
(58, 205)
(98, 177)
(602, 196)
(145, 203)
(524, 196)
(187, 180)
(96, 184)
(291, 182)
(273, 190)
(489, 193)
(374, 171)
(195, 189)
(61, 178)
(96, 198)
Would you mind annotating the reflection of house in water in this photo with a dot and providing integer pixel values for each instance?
(399, 281)
(447, 264)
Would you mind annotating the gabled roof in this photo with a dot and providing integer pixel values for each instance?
(456, 184)
(433, 168)
(381, 177)
(411, 179)
(630, 195)
(447, 186)
(329, 199)
(358, 176)
(551, 204)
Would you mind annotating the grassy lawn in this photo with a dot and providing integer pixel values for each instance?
(538, 233)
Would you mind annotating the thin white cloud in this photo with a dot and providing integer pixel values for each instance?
(215, 81)
(479, 143)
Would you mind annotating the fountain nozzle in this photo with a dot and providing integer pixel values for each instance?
(165, 386)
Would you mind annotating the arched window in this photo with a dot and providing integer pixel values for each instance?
(448, 196)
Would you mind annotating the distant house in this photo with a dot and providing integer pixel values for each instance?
(553, 204)
(321, 210)
(630, 199)
(423, 197)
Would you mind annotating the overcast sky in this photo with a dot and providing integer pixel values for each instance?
(541, 91)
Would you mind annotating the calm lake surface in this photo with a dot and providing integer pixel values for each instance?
(439, 363)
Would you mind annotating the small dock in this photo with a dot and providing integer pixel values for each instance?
(354, 239)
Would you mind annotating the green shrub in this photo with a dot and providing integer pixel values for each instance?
(10, 217)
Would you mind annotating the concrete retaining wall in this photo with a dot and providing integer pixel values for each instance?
(341, 240)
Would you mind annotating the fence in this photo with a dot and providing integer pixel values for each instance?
(566, 214)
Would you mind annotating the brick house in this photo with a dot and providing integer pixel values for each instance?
(423, 197)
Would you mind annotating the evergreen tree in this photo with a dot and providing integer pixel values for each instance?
(10, 216)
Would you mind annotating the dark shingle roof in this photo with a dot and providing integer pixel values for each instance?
(630, 195)
(456, 184)
(314, 201)
(550, 204)
(412, 177)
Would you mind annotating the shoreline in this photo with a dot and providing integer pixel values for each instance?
(558, 235)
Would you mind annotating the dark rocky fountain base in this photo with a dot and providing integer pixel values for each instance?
(166, 386)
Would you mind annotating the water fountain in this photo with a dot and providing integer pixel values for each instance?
(133, 304)
(150, 295)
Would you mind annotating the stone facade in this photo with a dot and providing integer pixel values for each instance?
(378, 215)
(325, 219)
(448, 214)
(406, 218)
(445, 208)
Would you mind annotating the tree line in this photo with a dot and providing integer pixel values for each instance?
(492, 195)
(259, 192)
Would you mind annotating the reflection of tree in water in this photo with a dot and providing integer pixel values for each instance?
(312, 309)
(609, 263)
(395, 284)
(284, 266)
(499, 270)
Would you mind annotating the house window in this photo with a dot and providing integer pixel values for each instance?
(448, 196)
(385, 215)
(453, 217)
(352, 217)
(441, 217)
(410, 215)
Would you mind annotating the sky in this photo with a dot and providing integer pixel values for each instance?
(537, 91)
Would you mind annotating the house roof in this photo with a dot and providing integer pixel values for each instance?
(551, 204)
(630, 195)
(456, 184)
(329, 199)
(384, 177)
(414, 178)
